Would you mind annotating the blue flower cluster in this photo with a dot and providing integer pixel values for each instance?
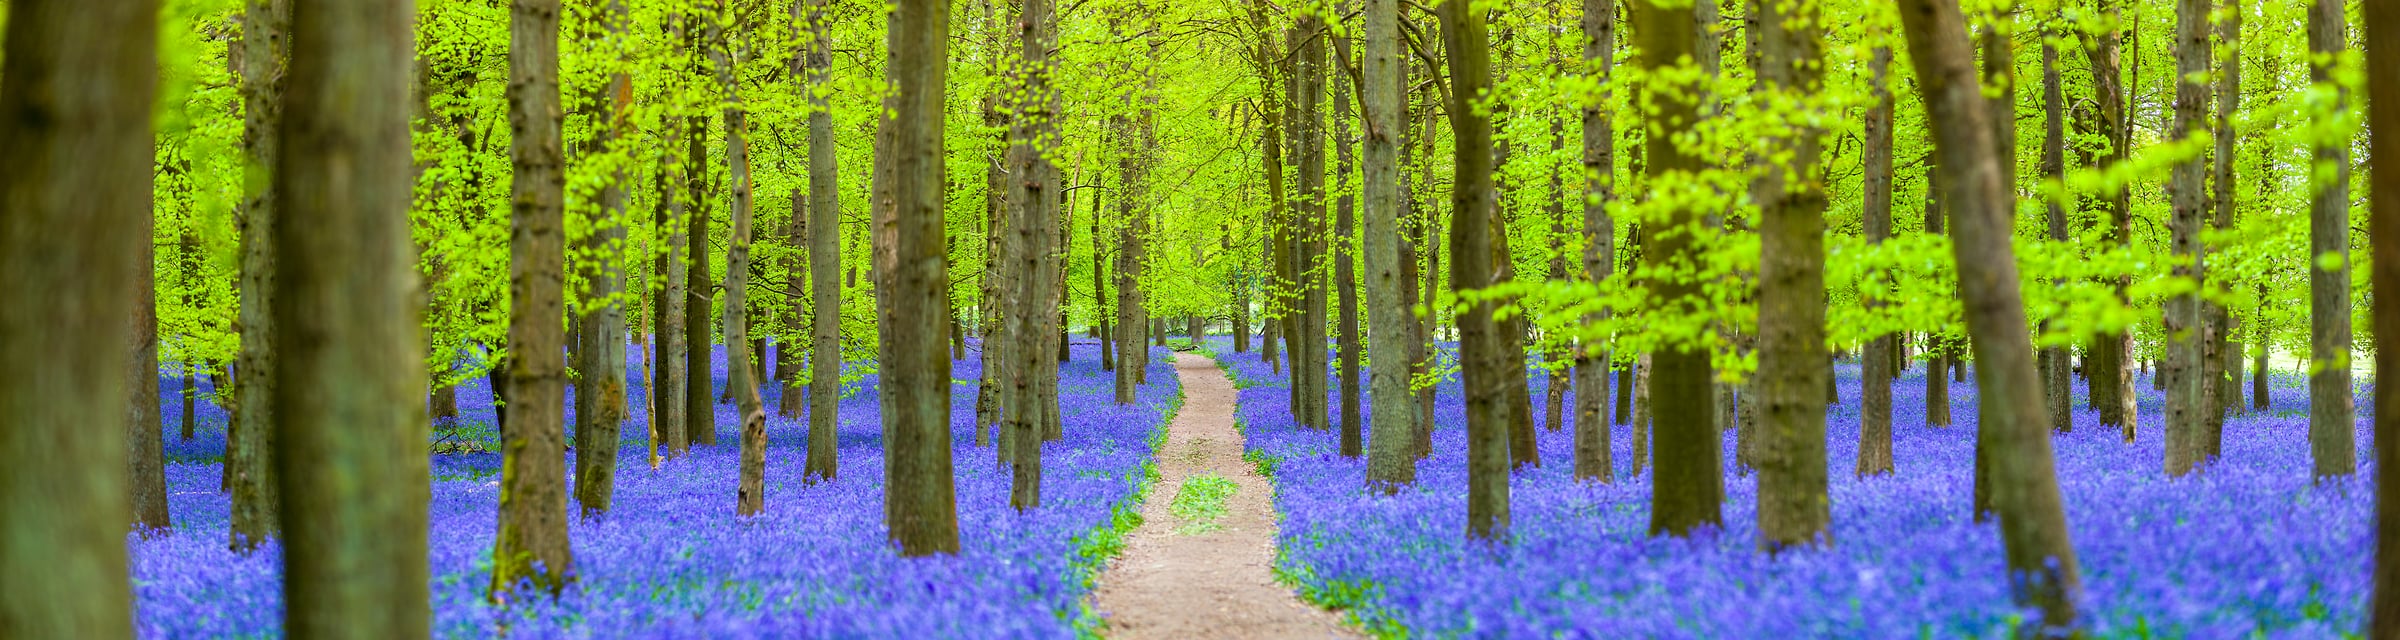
(2247, 548)
(672, 560)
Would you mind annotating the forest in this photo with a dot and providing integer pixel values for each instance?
(1199, 318)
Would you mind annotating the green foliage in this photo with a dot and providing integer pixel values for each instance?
(1200, 501)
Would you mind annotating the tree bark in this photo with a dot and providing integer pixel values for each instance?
(532, 541)
(1345, 259)
(348, 320)
(699, 403)
(1688, 490)
(2184, 373)
(2224, 366)
(919, 504)
(1390, 327)
(741, 364)
(2041, 557)
(2332, 424)
(1033, 217)
(2109, 372)
(1876, 361)
(75, 175)
(1794, 509)
(600, 393)
(824, 256)
(2057, 380)
(2383, 227)
(250, 445)
(1465, 40)
(1599, 156)
(1937, 344)
(145, 467)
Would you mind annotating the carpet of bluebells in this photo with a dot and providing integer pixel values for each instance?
(672, 560)
(2248, 548)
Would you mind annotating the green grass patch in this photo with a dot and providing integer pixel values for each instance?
(1200, 502)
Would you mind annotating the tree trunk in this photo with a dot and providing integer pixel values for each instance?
(2186, 378)
(1465, 43)
(2332, 423)
(1028, 251)
(1642, 368)
(2024, 481)
(1937, 345)
(250, 445)
(1345, 260)
(1390, 326)
(75, 172)
(190, 389)
(145, 466)
(2258, 368)
(2383, 227)
(919, 505)
(824, 258)
(669, 359)
(2224, 367)
(2057, 382)
(699, 404)
(600, 395)
(1133, 354)
(2109, 359)
(1599, 156)
(532, 542)
(741, 364)
(1308, 107)
(1877, 360)
(352, 478)
(1793, 508)
(1688, 490)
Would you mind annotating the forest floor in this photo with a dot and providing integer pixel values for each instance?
(1201, 563)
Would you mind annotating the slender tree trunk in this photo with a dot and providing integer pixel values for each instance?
(2258, 365)
(2331, 416)
(2185, 373)
(1599, 157)
(1309, 106)
(600, 396)
(1642, 368)
(2108, 361)
(532, 542)
(1465, 43)
(919, 503)
(2057, 389)
(824, 257)
(699, 403)
(741, 364)
(1688, 490)
(145, 467)
(1345, 259)
(1937, 345)
(2383, 228)
(1999, 70)
(1390, 326)
(2024, 482)
(1876, 361)
(75, 174)
(2224, 354)
(1133, 353)
(250, 443)
(191, 389)
(1793, 509)
(1033, 226)
(670, 360)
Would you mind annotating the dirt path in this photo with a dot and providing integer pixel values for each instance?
(1176, 581)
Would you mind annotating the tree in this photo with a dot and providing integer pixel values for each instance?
(2224, 355)
(699, 405)
(1466, 45)
(670, 373)
(1687, 490)
(2331, 418)
(75, 175)
(2383, 226)
(2109, 374)
(2187, 382)
(1390, 326)
(600, 393)
(2057, 374)
(919, 506)
(1033, 263)
(145, 468)
(249, 461)
(1794, 509)
(824, 255)
(1876, 360)
(2041, 558)
(1599, 239)
(532, 542)
(1345, 259)
(741, 365)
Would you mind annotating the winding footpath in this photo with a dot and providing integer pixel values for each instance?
(1217, 584)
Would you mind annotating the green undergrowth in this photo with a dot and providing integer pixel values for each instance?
(1200, 502)
(1094, 549)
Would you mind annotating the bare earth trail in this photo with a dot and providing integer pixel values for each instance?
(1217, 584)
